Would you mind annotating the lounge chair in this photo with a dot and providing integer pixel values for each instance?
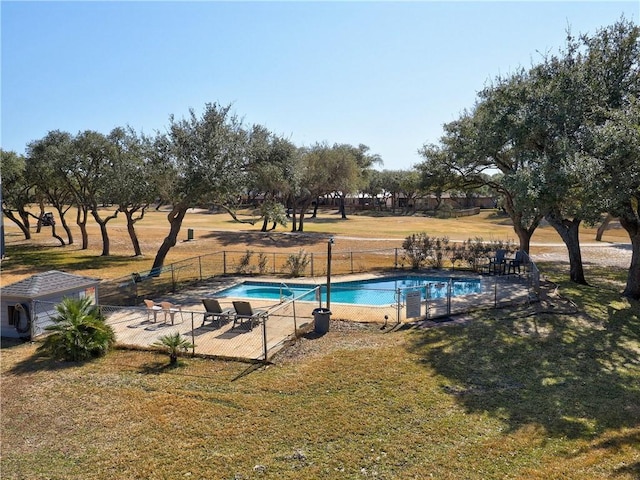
(215, 312)
(244, 312)
(170, 309)
(152, 308)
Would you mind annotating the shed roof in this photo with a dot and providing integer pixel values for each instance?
(47, 283)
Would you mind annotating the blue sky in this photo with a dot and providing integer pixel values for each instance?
(386, 74)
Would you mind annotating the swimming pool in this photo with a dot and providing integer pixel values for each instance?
(380, 291)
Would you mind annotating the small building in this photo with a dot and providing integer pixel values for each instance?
(27, 305)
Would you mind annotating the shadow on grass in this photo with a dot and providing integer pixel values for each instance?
(268, 239)
(575, 375)
(41, 362)
(29, 259)
(154, 368)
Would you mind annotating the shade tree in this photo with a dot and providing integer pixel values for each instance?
(46, 159)
(131, 182)
(17, 190)
(204, 158)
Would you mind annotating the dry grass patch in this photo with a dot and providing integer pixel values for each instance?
(471, 402)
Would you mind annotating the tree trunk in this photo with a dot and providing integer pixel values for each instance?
(55, 235)
(61, 213)
(303, 209)
(175, 217)
(294, 219)
(39, 225)
(23, 228)
(103, 229)
(523, 231)
(137, 251)
(265, 222)
(81, 220)
(343, 208)
(315, 208)
(292, 201)
(603, 226)
(568, 231)
(632, 226)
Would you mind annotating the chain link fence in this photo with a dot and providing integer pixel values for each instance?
(141, 327)
(188, 282)
(130, 290)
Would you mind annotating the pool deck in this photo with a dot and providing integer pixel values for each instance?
(134, 326)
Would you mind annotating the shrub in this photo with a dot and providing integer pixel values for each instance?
(173, 344)
(418, 247)
(244, 265)
(78, 333)
(263, 262)
(441, 251)
(297, 263)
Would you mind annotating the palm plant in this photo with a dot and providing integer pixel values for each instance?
(78, 332)
(173, 344)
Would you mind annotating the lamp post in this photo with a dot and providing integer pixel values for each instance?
(329, 244)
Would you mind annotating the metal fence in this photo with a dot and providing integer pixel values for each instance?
(140, 327)
(130, 290)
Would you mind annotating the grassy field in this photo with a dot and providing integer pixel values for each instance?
(545, 391)
(216, 232)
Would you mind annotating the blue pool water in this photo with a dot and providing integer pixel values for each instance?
(364, 292)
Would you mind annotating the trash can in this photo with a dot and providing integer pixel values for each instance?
(321, 320)
(189, 233)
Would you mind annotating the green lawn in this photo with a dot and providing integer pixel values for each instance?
(546, 391)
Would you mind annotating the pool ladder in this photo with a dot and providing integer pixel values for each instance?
(283, 296)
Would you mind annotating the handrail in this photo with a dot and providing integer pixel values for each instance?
(282, 296)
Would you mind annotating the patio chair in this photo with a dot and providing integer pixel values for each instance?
(215, 312)
(244, 312)
(152, 308)
(498, 264)
(517, 262)
(170, 309)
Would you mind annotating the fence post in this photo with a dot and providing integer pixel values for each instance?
(312, 264)
(495, 293)
(398, 307)
(426, 299)
(295, 322)
(274, 263)
(200, 266)
(173, 280)
(449, 293)
(193, 337)
(224, 262)
(395, 259)
(264, 338)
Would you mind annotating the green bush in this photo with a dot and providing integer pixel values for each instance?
(244, 265)
(297, 263)
(173, 344)
(78, 333)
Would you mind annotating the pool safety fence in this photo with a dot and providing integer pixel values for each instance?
(285, 319)
(436, 299)
(130, 290)
(140, 327)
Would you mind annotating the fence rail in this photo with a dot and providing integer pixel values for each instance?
(131, 289)
(140, 327)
